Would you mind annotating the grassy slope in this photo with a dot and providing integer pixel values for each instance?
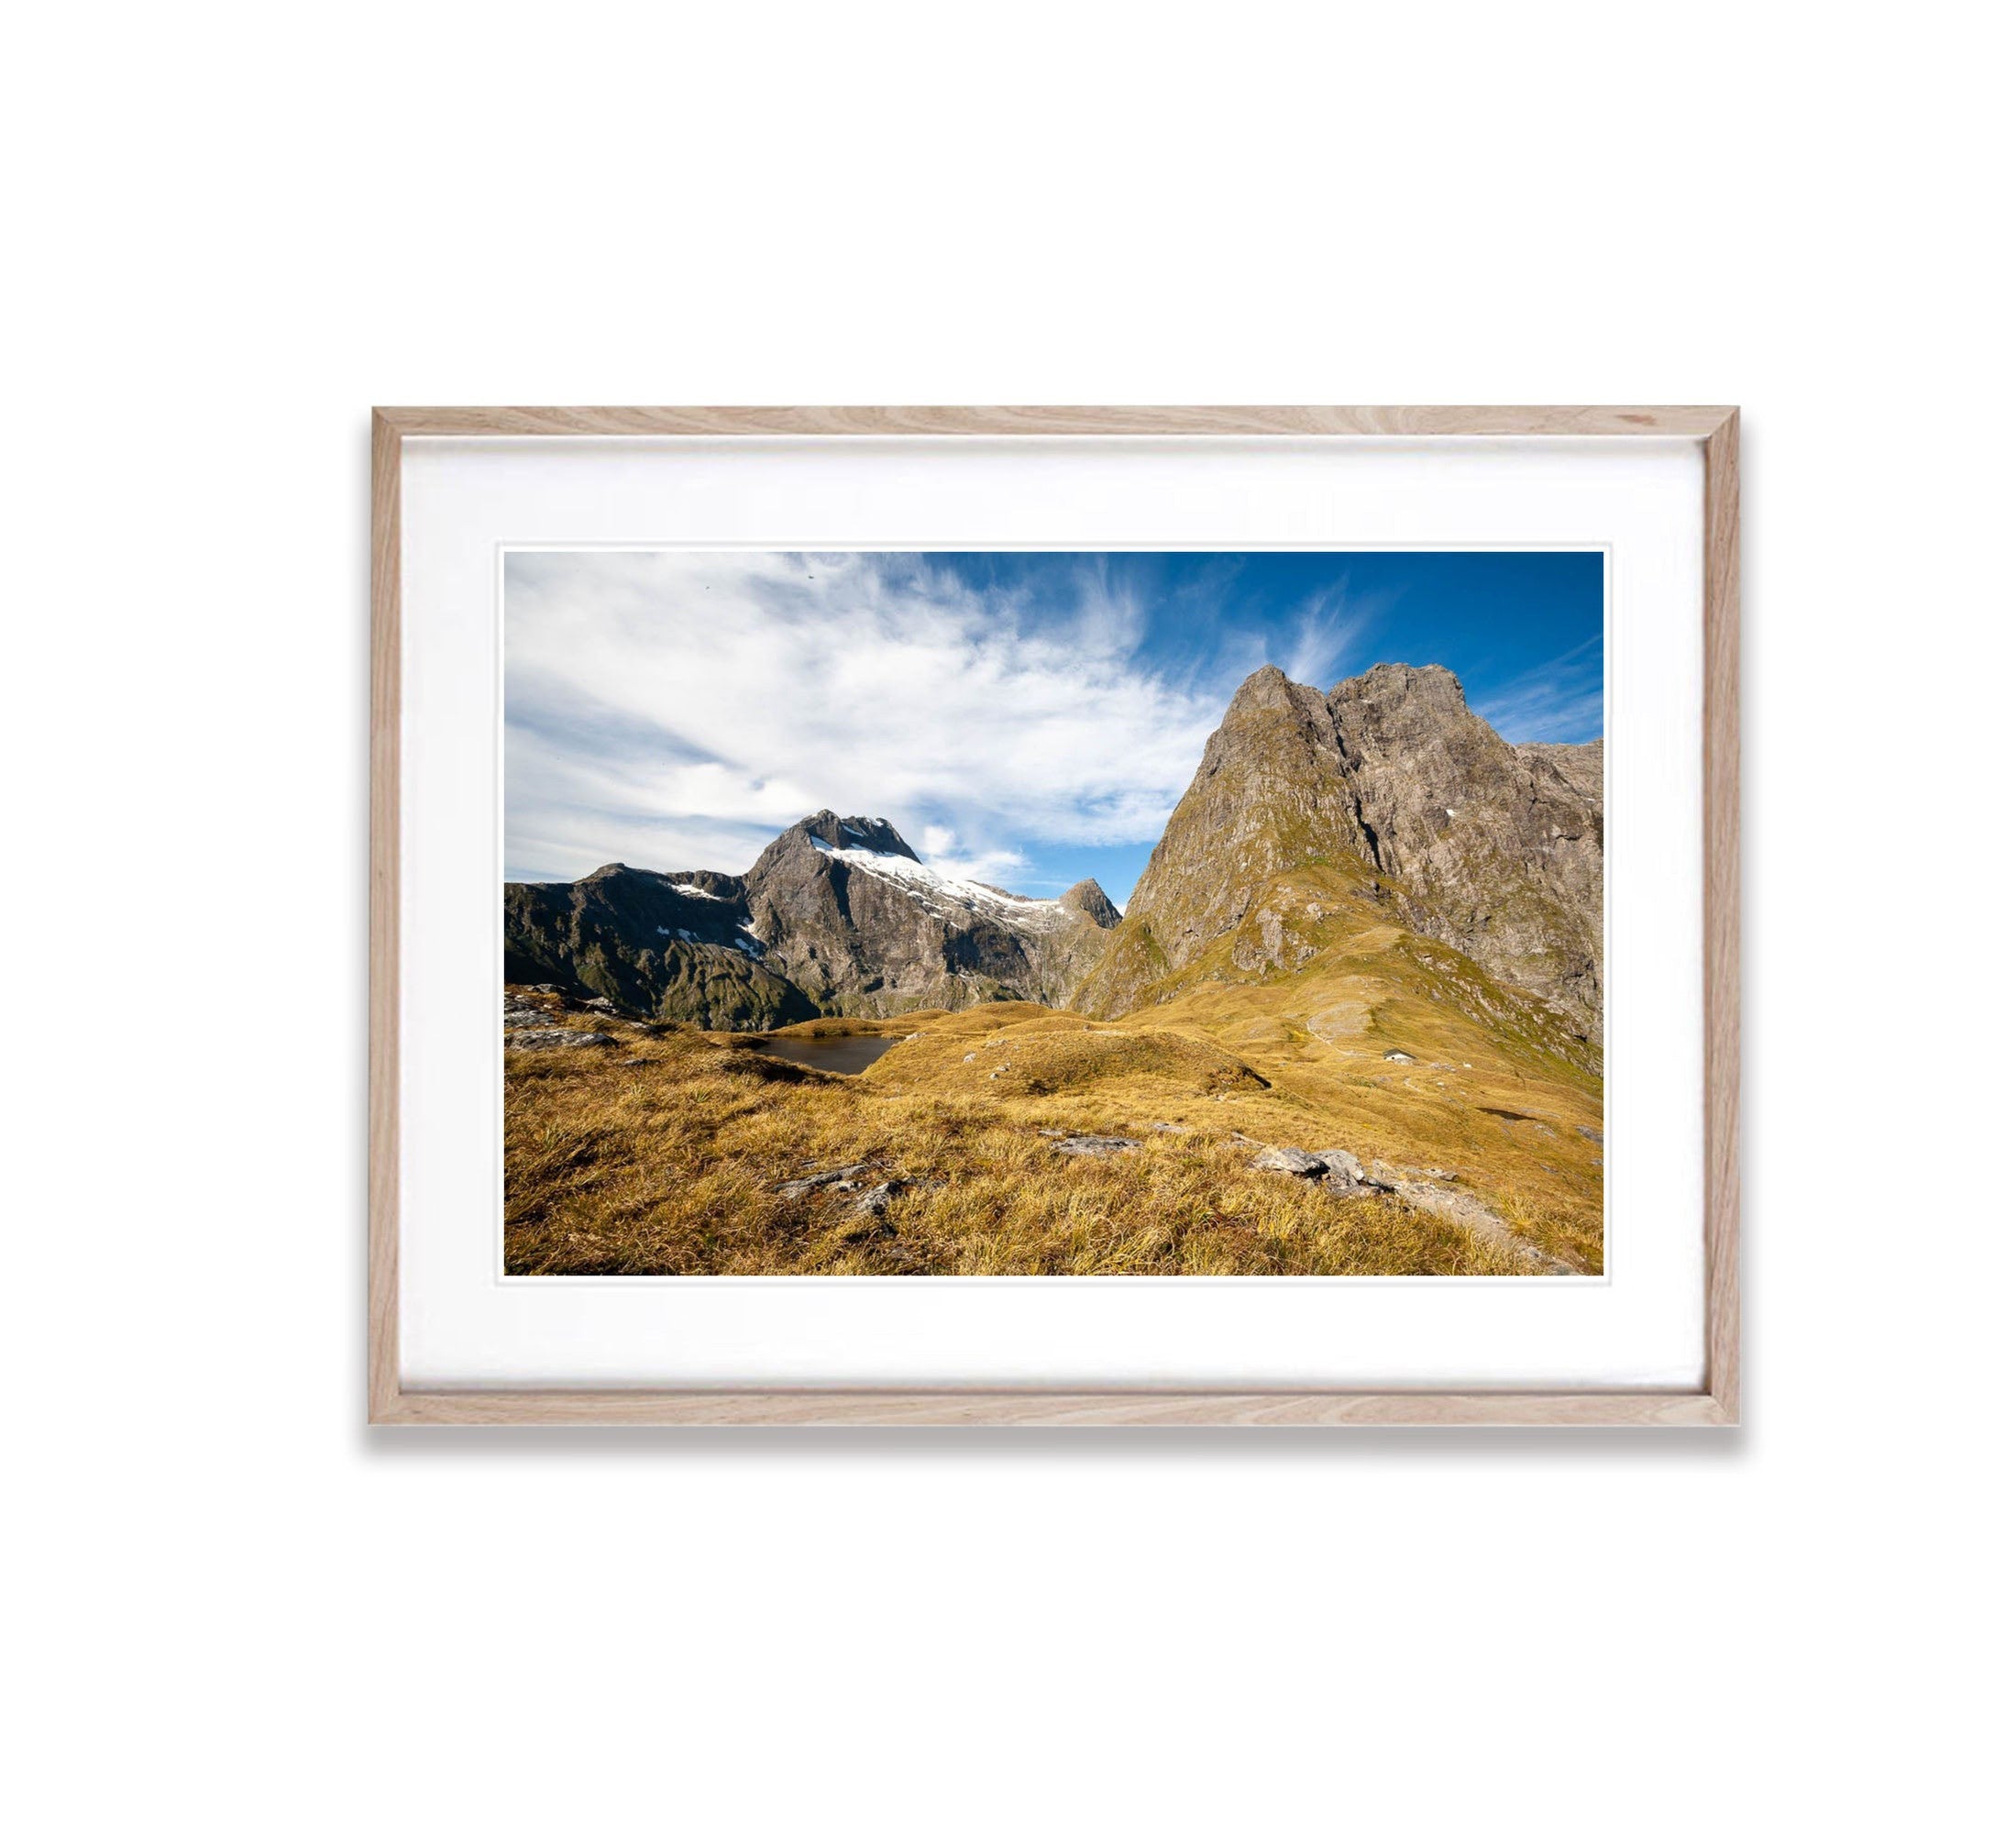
(663, 1156)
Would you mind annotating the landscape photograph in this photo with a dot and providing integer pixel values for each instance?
(1043, 914)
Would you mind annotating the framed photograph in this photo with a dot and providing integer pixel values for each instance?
(1054, 916)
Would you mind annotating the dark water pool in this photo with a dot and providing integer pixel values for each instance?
(838, 1056)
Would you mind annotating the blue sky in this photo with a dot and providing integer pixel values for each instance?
(1028, 719)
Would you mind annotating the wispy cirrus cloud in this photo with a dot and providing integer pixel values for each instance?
(1559, 700)
(1326, 635)
(675, 709)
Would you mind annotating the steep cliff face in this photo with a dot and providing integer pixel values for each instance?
(838, 916)
(1579, 767)
(1405, 802)
(1502, 849)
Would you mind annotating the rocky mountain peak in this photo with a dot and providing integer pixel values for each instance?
(1385, 682)
(1394, 708)
(1088, 896)
(1490, 848)
(869, 834)
(837, 916)
(1265, 687)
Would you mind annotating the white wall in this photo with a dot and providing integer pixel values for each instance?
(238, 226)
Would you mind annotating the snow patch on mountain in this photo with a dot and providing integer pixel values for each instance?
(935, 891)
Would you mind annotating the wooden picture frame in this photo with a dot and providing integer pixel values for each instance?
(1713, 429)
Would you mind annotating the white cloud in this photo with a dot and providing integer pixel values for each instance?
(677, 710)
(991, 865)
(940, 849)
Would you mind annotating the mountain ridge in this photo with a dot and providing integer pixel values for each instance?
(837, 917)
(1391, 781)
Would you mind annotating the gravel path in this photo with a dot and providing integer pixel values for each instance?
(1461, 1207)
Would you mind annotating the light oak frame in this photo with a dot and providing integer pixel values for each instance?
(1714, 428)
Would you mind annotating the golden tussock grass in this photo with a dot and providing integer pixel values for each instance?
(663, 1155)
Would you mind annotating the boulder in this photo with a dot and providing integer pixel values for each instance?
(1291, 1162)
(842, 1175)
(1340, 1170)
(556, 1038)
(1093, 1145)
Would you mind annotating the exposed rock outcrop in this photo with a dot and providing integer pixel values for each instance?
(1094, 1146)
(556, 1037)
(1337, 1169)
